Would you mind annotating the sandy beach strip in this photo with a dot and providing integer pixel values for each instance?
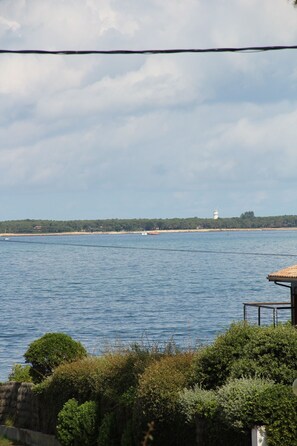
(156, 232)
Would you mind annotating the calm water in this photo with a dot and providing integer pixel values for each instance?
(106, 288)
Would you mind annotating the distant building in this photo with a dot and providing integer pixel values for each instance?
(215, 214)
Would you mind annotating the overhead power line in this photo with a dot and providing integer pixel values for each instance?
(248, 49)
(153, 248)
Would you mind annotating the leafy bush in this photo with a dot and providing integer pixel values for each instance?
(246, 350)
(5, 442)
(158, 400)
(20, 373)
(240, 403)
(198, 402)
(244, 403)
(77, 424)
(49, 351)
(110, 379)
(280, 405)
(120, 375)
(107, 430)
(271, 353)
(161, 382)
(212, 364)
(77, 380)
(117, 388)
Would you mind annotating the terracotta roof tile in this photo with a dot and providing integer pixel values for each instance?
(284, 275)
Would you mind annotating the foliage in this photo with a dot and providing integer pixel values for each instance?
(118, 385)
(77, 424)
(127, 438)
(212, 364)
(107, 430)
(246, 220)
(110, 379)
(246, 350)
(239, 402)
(221, 387)
(245, 403)
(270, 353)
(158, 399)
(79, 380)
(5, 442)
(281, 415)
(20, 373)
(248, 214)
(161, 382)
(9, 421)
(198, 402)
(49, 351)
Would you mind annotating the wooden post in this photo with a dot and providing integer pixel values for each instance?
(259, 436)
(294, 302)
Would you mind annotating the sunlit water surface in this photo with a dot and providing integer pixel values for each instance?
(104, 289)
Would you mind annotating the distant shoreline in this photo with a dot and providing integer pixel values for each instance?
(157, 232)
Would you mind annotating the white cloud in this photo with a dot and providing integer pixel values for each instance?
(189, 129)
(8, 25)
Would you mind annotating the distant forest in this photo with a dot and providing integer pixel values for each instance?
(247, 220)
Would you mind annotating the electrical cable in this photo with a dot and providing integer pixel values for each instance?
(248, 49)
(145, 248)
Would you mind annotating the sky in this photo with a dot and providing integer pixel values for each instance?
(147, 136)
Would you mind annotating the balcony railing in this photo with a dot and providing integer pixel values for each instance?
(273, 306)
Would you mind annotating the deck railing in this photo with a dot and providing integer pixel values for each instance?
(273, 306)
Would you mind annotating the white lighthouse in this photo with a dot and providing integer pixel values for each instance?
(215, 214)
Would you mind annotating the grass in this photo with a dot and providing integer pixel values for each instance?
(5, 442)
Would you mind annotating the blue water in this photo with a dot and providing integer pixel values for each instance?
(104, 289)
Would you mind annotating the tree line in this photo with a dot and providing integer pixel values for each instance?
(247, 220)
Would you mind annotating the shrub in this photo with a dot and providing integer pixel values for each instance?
(20, 373)
(158, 399)
(110, 379)
(280, 405)
(117, 387)
(49, 351)
(119, 377)
(246, 350)
(161, 382)
(240, 405)
(77, 380)
(107, 430)
(77, 424)
(198, 402)
(5, 442)
(212, 364)
(271, 353)
(244, 403)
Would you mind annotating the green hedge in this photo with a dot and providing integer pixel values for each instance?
(227, 415)
(212, 364)
(77, 380)
(78, 424)
(245, 350)
(219, 389)
(281, 408)
(49, 351)
(20, 373)
(270, 353)
(111, 380)
(158, 399)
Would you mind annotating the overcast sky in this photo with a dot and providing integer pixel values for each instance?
(147, 136)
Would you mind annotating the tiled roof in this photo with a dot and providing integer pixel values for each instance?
(284, 275)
